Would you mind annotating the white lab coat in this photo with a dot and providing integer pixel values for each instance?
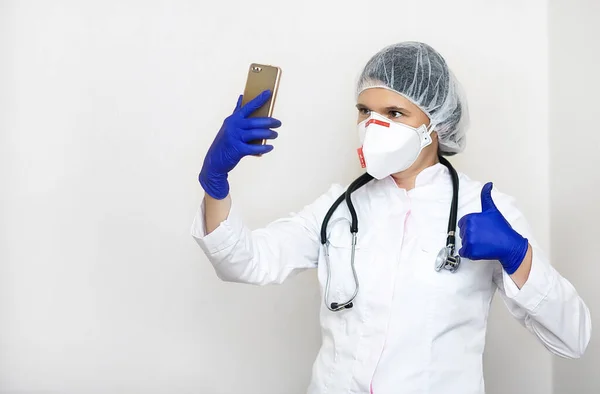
(412, 329)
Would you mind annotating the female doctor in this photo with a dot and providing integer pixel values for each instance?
(411, 328)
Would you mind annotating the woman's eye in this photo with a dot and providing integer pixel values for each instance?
(364, 111)
(394, 114)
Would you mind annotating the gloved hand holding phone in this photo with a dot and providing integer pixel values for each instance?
(234, 141)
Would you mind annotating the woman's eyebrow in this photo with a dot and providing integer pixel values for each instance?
(399, 109)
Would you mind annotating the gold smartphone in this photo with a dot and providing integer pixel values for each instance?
(262, 77)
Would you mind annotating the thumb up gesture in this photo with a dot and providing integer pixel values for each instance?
(488, 236)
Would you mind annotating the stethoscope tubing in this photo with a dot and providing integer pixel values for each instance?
(347, 197)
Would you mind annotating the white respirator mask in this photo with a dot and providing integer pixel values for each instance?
(389, 147)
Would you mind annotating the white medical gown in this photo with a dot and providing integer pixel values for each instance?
(412, 329)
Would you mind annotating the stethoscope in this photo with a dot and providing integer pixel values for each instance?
(447, 258)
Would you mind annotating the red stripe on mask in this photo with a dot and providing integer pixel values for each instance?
(361, 157)
(378, 122)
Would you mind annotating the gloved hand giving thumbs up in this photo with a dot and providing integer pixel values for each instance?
(488, 236)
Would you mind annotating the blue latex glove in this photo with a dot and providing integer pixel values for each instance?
(488, 236)
(232, 143)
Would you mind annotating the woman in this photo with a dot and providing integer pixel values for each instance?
(411, 329)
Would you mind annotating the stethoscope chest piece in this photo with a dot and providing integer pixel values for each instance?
(447, 259)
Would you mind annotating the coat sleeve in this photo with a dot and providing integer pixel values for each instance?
(268, 255)
(547, 305)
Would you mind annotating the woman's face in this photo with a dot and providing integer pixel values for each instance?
(391, 105)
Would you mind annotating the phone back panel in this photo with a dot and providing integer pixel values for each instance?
(260, 78)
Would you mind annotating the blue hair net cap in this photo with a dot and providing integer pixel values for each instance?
(420, 74)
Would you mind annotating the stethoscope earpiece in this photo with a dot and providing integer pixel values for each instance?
(336, 307)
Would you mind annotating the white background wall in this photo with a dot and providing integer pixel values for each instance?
(575, 145)
(107, 109)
